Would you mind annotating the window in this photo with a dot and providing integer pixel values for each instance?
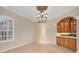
(6, 29)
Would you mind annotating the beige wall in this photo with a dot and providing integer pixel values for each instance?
(42, 33)
(77, 34)
(46, 33)
(52, 30)
(24, 31)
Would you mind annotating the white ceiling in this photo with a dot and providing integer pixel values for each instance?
(30, 11)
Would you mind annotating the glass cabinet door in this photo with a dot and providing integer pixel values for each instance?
(62, 26)
(67, 26)
(75, 26)
(72, 25)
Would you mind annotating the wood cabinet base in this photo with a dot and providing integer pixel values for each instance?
(69, 43)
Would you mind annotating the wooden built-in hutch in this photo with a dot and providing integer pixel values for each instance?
(66, 29)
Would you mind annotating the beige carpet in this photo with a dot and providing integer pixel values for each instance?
(40, 48)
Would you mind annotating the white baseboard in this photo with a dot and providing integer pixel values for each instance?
(19, 45)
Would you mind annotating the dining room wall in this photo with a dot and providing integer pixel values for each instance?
(24, 31)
